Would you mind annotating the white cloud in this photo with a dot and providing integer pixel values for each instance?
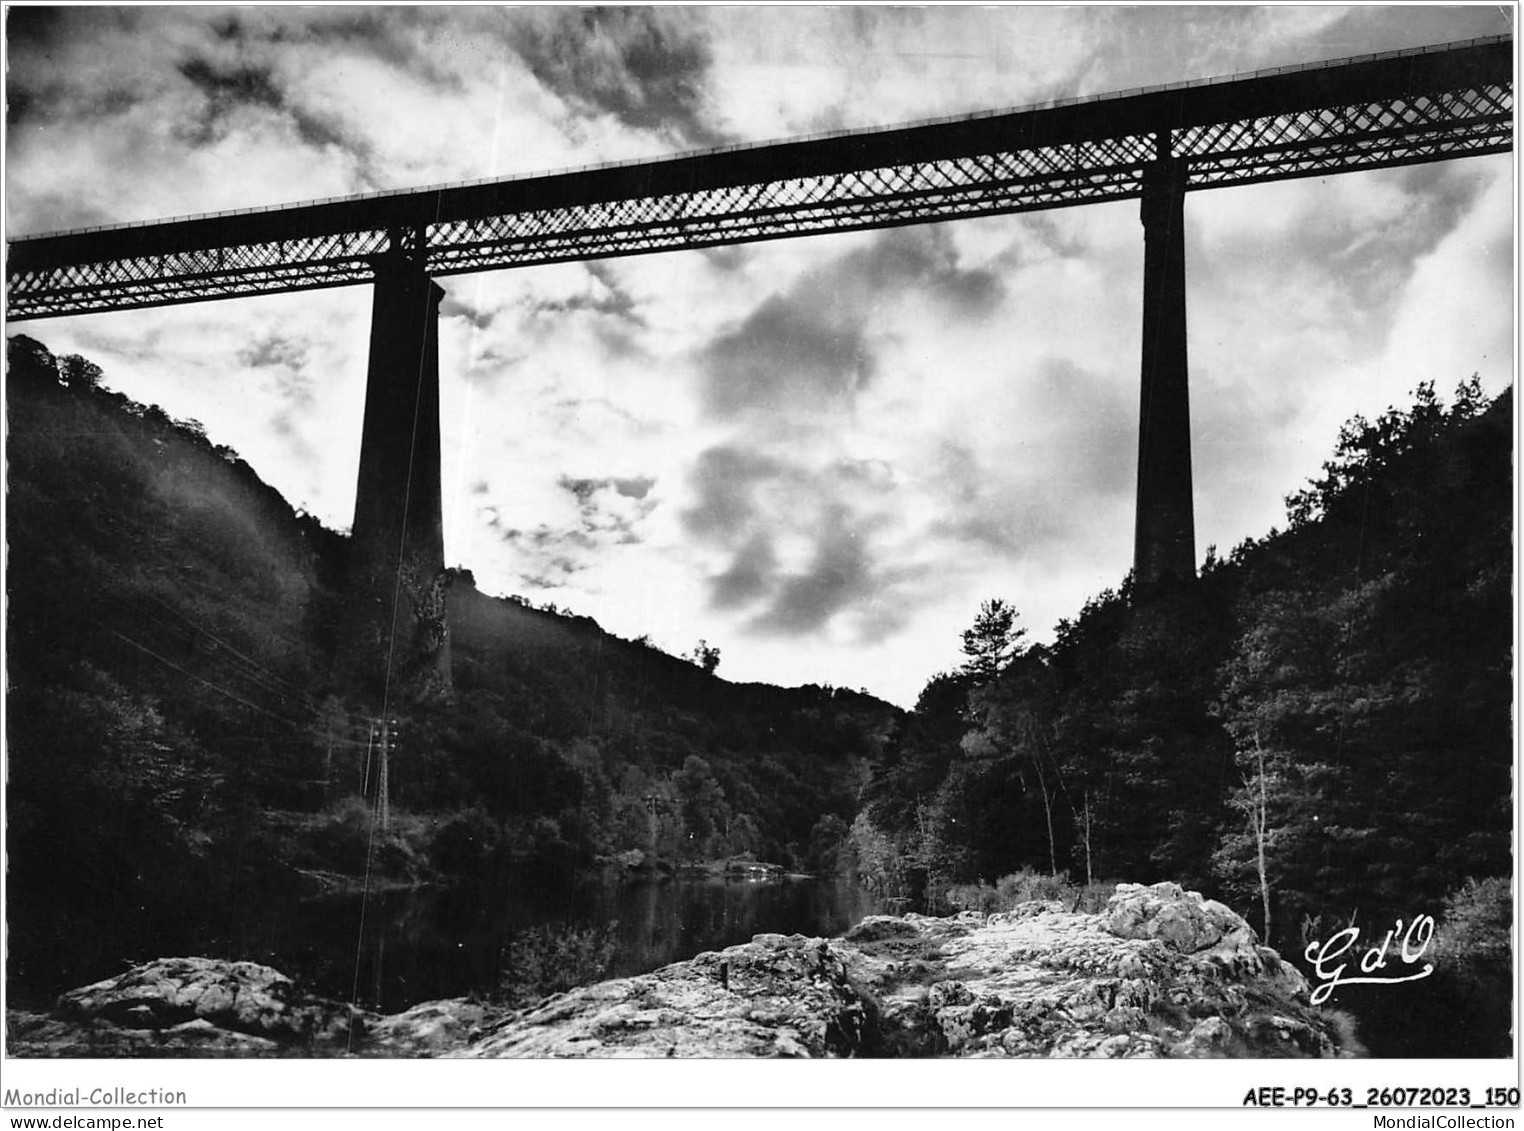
(828, 68)
(979, 436)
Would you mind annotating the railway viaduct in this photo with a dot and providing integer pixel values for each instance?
(1156, 145)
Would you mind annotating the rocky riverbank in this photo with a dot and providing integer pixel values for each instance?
(1161, 972)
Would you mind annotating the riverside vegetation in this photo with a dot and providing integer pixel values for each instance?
(176, 743)
(1317, 729)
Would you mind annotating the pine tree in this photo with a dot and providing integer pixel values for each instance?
(993, 641)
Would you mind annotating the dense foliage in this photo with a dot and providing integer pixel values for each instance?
(176, 737)
(1317, 727)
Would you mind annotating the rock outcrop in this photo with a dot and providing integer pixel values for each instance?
(1161, 972)
(185, 1007)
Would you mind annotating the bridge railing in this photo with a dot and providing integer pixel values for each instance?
(735, 147)
(1372, 111)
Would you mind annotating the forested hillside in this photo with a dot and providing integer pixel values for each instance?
(175, 738)
(1319, 727)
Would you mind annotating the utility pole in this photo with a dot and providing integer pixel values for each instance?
(385, 737)
(389, 742)
(651, 801)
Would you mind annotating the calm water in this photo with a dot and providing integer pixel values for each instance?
(416, 945)
(1452, 1013)
(1463, 1009)
(404, 947)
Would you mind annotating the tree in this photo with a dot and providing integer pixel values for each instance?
(1315, 753)
(705, 656)
(79, 373)
(826, 840)
(1366, 697)
(30, 361)
(1253, 801)
(992, 642)
(1010, 722)
(702, 804)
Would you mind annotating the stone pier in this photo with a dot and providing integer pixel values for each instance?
(394, 646)
(1165, 539)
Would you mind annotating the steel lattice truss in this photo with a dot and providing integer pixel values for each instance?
(1370, 113)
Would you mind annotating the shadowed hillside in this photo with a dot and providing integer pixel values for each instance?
(175, 741)
(1318, 728)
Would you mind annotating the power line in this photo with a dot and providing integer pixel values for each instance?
(206, 682)
(258, 674)
(253, 663)
(239, 666)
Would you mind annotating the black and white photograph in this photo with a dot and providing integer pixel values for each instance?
(732, 533)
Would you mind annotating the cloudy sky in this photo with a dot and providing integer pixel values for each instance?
(818, 454)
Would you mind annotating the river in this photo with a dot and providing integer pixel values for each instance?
(1454, 1013)
(395, 949)
(425, 944)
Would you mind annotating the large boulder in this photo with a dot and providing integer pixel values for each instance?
(244, 997)
(1211, 932)
(776, 996)
(188, 1007)
(1182, 919)
(429, 1029)
(1161, 972)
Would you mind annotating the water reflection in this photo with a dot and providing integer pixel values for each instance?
(1461, 1011)
(398, 948)
(417, 945)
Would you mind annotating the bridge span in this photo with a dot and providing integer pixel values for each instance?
(1156, 145)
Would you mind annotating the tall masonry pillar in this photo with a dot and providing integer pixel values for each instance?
(1165, 538)
(394, 646)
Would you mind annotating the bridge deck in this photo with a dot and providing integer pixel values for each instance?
(1378, 111)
